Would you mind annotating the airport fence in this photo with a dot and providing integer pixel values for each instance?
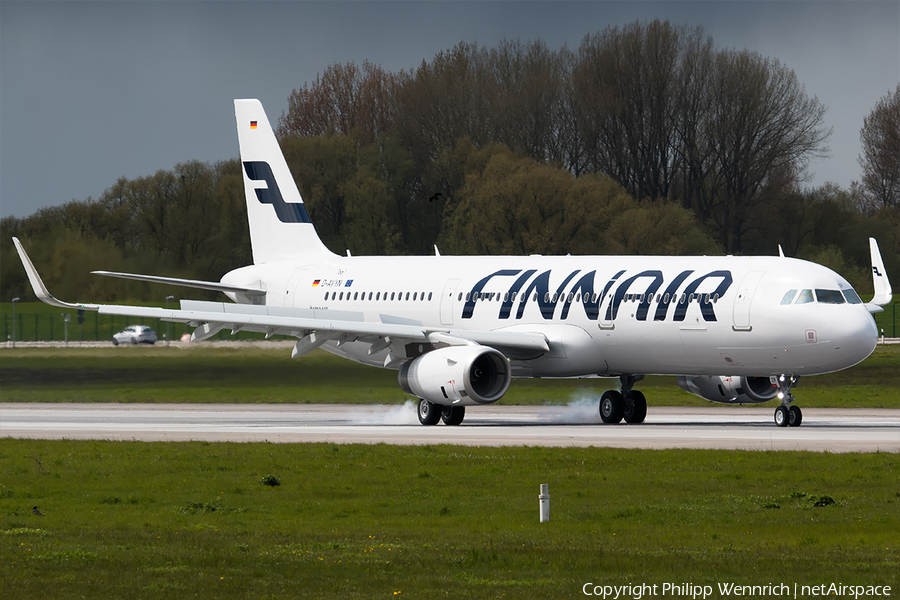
(33, 323)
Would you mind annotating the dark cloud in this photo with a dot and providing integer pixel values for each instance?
(94, 91)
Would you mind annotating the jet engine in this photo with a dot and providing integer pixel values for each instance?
(457, 375)
(730, 390)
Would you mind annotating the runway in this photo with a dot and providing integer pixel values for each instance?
(824, 429)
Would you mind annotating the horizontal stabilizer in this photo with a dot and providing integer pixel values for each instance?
(214, 286)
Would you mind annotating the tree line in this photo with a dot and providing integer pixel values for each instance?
(646, 139)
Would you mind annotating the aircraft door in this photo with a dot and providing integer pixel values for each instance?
(292, 291)
(605, 323)
(450, 288)
(744, 298)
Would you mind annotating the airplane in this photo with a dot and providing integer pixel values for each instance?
(458, 329)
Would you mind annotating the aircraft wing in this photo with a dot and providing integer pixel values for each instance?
(312, 327)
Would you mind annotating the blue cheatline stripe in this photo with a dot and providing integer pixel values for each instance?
(286, 213)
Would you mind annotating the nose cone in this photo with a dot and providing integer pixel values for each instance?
(854, 335)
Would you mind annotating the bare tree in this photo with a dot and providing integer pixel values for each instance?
(762, 123)
(345, 99)
(626, 82)
(880, 158)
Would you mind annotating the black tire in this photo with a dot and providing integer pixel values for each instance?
(612, 406)
(782, 416)
(795, 417)
(429, 412)
(134, 341)
(453, 415)
(115, 342)
(635, 409)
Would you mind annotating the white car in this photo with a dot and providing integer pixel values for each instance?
(135, 334)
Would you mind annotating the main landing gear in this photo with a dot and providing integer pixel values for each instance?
(787, 415)
(629, 404)
(430, 413)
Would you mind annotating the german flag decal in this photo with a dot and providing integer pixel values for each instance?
(252, 124)
(316, 282)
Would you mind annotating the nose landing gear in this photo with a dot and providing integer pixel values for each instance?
(787, 415)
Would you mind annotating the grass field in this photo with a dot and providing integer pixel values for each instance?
(179, 520)
(206, 373)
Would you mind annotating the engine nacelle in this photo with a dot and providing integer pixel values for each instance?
(457, 375)
(730, 390)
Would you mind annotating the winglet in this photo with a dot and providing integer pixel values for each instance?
(883, 292)
(40, 290)
(780, 251)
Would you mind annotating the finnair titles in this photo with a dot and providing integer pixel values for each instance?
(734, 330)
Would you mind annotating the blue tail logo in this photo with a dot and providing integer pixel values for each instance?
(258, 170)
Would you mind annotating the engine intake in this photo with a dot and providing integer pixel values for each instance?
(730, 390)
(458, 375)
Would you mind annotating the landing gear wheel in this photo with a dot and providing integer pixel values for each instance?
(429, 412)
(635, 409)
(453, 415)
(782, 416)
(795, 417)
(612, 406)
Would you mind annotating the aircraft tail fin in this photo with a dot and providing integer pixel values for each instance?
(883, 292)
(280, 227)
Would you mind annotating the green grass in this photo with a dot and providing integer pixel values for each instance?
(203, 373)
(177, 520)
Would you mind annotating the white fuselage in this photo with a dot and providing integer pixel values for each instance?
(603, 315)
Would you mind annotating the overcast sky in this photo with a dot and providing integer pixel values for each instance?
(94, 91)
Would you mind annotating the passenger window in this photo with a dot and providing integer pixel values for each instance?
(829, 297)
(355, 296)
(414, 296)
(789, 296)
(805, 297)
(341, 297)
(326, 295)
(429, 296)
(407, 296)
(393, 294)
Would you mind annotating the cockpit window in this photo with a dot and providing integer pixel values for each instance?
(852, 297)
(829, 297)
(789, 297)
(805, 297)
